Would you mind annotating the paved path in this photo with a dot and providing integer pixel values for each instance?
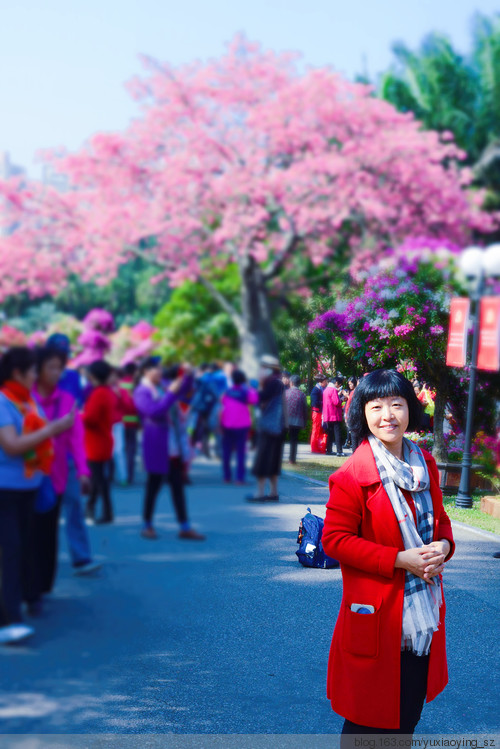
(226, 636)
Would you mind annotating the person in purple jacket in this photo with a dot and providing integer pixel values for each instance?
(153, 401)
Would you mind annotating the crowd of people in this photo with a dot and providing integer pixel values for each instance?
(330, 402)
(68, 437)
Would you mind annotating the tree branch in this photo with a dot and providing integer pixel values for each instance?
(291, 243)
(214, 292)
(224, 303)
(152, 260)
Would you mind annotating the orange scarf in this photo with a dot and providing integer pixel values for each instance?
(40, 458)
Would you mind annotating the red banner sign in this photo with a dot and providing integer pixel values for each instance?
(456, 353)
(489, 334)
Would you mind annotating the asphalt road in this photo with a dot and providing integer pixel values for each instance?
(228, 636)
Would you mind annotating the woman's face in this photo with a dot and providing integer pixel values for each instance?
(351, 385)
(154, 375)
(50, 373)
(27, 378)
(388, 419)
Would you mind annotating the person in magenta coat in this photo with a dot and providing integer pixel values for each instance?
(333, 416)
(68, 445)
(386, 524)
(235, 421)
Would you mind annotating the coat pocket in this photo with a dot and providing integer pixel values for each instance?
(360, 634)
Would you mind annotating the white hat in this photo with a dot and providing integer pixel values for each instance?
(270, 361)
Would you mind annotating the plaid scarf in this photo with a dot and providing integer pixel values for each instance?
(421, 600)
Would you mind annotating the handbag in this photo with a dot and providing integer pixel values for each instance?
(46, 499)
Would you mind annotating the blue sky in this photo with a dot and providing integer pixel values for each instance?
(64, 63)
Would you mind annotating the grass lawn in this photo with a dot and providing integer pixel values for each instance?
(320, 468)
(474, 516)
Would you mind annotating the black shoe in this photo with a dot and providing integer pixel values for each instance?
(340, 455)
(497, 555)
(103, 521)
(263, 498)
(35, 608)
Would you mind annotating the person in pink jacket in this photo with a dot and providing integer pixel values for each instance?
(68, 445)
(333, 416)
(235, 421)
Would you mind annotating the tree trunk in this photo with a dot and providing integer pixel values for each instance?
(256, 331)
(439, 450)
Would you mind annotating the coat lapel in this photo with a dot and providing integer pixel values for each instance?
(366, 472)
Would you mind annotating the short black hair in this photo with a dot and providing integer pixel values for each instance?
(338, 379)
(238, 377)
(171, 372)
(46, 353)
(101, 370)
(151, 362)
(295, 380)
(320, 378)
(21, 358)
(130, 369)
(382, 383)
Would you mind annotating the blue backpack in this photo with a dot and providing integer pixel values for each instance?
(310, 551)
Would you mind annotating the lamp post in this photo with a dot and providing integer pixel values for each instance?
(477, 265)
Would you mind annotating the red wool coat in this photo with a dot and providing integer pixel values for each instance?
(98, 419)
(362, 532)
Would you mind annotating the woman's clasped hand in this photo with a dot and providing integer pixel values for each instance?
(425, 561)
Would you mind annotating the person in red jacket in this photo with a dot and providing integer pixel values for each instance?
(98, 418)
(386, 524)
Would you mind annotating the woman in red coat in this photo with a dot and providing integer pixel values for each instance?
(386, 524)
(98, 419)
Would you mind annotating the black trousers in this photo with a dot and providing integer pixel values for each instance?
(334, 432)
(130, 452)
(100, 487)
(17, 553)
(46, 546)
(175, 478)
(293, 435)
(413, 690)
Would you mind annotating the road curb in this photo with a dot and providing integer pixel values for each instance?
(290, 475)
(480, 532)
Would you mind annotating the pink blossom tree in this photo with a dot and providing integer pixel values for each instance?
(246, 159)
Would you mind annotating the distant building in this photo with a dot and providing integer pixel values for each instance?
(53, 179)
(8, 169)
